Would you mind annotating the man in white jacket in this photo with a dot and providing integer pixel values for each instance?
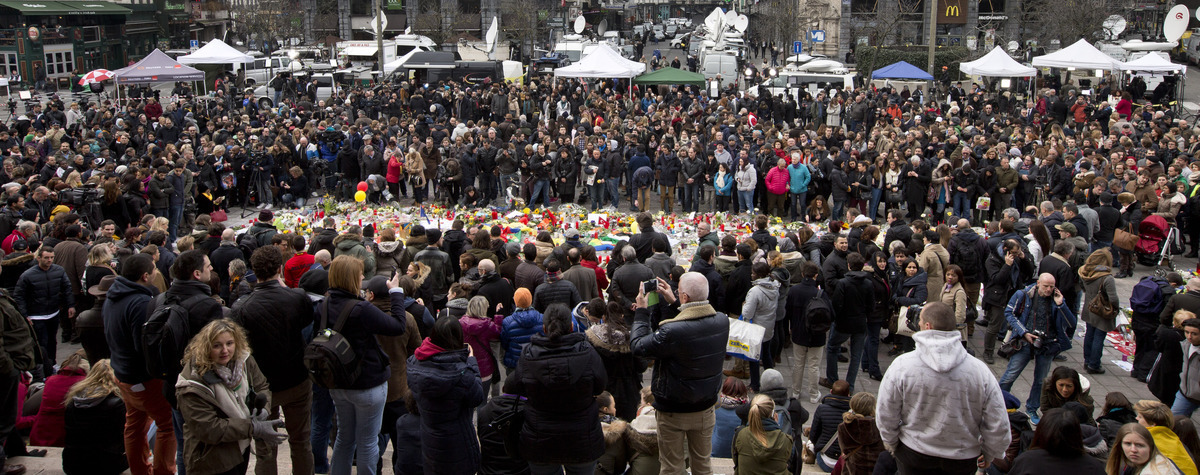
(940, 409)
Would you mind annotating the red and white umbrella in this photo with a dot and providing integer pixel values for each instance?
(98, 75)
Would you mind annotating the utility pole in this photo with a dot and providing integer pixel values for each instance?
(932, 35)
(379, 36)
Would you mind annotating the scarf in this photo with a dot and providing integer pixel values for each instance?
(730, 402)
(232, 377)
(427, 350)
(552, 277)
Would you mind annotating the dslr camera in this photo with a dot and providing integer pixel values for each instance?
(1039, 338)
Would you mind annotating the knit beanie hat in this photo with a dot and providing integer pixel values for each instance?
(522, 298)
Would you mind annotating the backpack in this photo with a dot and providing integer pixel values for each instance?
(819, 313)
(332, 363)
(1150, 295)
(165, 335)
(968, 256)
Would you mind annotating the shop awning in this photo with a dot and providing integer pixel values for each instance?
(66, 7)
(360, 51)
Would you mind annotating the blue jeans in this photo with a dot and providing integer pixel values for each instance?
(1093, 347)
(1098, 245)
(322, 422)
(570, 469)
(870, 363)
(876, 196)
(540, 187)
(360, 414)
(290, 199)
(1017, 363)
(614, 190)
(839, 209)
(745, 200)
(176, 217)
(1183, 406)
(691, 197)
(597, 192)
(799, 205)
(177, 421)
(833, 349)
(962, 205)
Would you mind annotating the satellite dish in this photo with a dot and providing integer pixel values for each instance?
(741, 23)
(1114, 25)
(730, 17)
(492, 32)
(1013, 46)
(713, 21)
(602, 27)
(1175, 23)
(580, 24)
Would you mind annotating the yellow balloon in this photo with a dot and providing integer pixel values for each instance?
(360, 196)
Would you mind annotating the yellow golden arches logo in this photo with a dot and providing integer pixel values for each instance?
(953, 10)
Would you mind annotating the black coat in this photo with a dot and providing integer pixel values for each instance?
(624, 370)
(494, 460)
(736, 287)
(559, 291)
(561, 379)
(826, 420)
(1164, 378)
(1001, 282)
(497, 290)
(688, 352)
(94, 430)
(124, 314)
(798, 298)
(447, 390)
(273, 316)
(643, 242)
(323, 239)
(854, 299)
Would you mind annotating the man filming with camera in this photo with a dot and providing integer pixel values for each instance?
(1042, 326)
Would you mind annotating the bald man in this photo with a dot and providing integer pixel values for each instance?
(225, 253)
(1042, 324)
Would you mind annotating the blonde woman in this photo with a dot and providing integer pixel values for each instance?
(761, 447)
(219, 376)
(1134, 453)
(95, 425)
(858, 435)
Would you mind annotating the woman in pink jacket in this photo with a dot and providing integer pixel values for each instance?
(777, 188)
(479, 332)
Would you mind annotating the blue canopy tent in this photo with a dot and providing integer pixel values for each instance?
(901, 70)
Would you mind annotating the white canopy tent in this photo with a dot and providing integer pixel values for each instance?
(1081, 55)
(603, 62)
(1153, 63)
(216, 52)
(996, 63)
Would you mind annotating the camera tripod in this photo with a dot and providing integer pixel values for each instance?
(251, 190)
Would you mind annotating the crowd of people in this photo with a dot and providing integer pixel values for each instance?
(469, 352)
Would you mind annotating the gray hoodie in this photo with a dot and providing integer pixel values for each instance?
(940, 401)
(761, 302)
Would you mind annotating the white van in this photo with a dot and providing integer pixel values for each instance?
(797, 83)
(722, 65)
(263, 69)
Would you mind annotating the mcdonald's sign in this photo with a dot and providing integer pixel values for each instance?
(952, 12)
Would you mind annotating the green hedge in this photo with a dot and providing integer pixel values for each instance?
(948, 56)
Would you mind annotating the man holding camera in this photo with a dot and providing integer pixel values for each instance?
(1042, 326)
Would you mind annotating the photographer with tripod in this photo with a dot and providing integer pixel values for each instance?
(329, 143)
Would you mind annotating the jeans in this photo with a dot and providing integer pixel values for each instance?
(175, 217)
(997, 325)
(870, 363)
(322, 422)
(799, 205)
(745, 201)
(263, 188)
(833, 349)
(177, 422)
(44, 331)
(289, 198)
(911, 462)
(1093, 347)
(839, 209)
(614, 191)
(873, 208)
(569, 469)
(597, 192)
(1098, 245)
(1017, 363)
(691, 197)
(360, 414)
(962, 205)
(487, 186)
(1183, 406)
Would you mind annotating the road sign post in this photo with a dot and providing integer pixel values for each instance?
(797, 47)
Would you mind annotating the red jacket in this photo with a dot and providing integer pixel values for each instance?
(777, 181)
(296, 267)
(49, 429)
(8, 241)
(601, 277)
(153, 110)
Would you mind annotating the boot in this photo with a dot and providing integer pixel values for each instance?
(988, 358)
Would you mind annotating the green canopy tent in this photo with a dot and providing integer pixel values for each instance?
(670, 77)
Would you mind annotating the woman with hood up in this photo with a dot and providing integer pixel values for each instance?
(388, 253)
(940, 190)
(760, 308)
(610, 338)
(1097, 278)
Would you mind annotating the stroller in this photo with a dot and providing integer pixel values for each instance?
(1155, 240)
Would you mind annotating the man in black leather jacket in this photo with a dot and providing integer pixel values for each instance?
(688, 350)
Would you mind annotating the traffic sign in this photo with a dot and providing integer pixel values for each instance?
(194, 44)
(817, 36)
(797, 47)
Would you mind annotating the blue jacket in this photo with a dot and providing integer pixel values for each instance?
(516, 330)
(638, 161)
(798, 178)
(726, 190)
(1020, 317)
(723, 432)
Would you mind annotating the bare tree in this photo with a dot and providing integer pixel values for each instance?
(877, 24)
(784, 21)
(1068, 20)
(277, 20)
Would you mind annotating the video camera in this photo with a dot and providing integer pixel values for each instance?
(80, 196)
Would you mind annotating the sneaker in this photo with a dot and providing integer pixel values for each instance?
(1033, 417)
(1060, 357)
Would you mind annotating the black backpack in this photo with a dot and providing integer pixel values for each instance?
(332, 363)
(969, 257)
(819, 313)
(165, 335)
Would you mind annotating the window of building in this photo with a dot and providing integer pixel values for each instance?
(991, 6)
(469, 6)
(8, 63)
(59, 63)
(864, 6)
